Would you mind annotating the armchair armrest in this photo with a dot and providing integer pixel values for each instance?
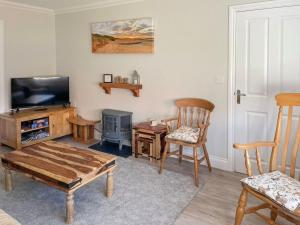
(253, 146)
(203, 132)
(171, 124)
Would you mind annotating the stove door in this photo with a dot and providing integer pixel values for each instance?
(110, 127)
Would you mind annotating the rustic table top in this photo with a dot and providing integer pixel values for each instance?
(59, 161)
(147, 126)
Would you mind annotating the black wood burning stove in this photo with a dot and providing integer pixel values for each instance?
(116, 127)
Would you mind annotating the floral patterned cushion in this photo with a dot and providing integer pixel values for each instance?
(186, 134)
(282, 189)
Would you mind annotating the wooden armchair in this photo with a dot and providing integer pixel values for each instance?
(279, 192)
(189, 129)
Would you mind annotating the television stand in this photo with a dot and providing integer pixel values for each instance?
(29, 127)
(41, 109)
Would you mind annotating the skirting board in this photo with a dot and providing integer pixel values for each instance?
(220, 163)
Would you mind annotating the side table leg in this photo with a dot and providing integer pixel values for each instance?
(75, 131)
(139, 148)
(109, 184)
(157, 147)
(91, 132)
(70, 208)
(7, 180)
(151, 152)
(85, 134)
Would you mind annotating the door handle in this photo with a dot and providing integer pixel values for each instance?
(238, 96)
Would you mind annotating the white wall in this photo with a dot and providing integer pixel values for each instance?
(29, 44)
(191, 52)
(2, 86)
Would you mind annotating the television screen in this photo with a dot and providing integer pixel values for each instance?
(39, 91)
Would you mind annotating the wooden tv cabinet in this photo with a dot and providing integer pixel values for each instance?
(12, 125)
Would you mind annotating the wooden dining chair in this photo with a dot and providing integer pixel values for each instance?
(279, 188)
(189, 129)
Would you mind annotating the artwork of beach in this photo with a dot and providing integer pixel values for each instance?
(124, 36)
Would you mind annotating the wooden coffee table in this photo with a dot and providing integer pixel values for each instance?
(60, 166)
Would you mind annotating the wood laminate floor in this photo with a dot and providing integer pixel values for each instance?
(215, 203)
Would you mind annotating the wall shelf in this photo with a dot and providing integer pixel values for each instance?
(134, 88)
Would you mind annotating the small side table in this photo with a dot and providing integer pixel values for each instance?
(143, 134)
(83, 130)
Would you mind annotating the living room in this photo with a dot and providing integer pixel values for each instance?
(200, 52)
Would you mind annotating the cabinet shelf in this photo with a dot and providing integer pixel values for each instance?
(35, 142)
(134, 88)
(27, 130)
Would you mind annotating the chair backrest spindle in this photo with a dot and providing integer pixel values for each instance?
(295, 152)
(194, 112)
(291, 101)
(192, 116)
(287, 139)
(274, 155)
(259, 164)
(179, 117)
(185, 116)
(248, 163)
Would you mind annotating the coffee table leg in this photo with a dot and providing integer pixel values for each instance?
(109, 184)
(8, 180)
(70, 208)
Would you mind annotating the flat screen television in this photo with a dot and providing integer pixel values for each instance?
(39, 92)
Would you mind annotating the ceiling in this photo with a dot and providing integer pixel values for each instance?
(62, 4)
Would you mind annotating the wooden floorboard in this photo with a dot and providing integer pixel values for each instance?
(215, 203)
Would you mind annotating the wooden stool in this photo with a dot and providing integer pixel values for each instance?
(83, 130)
(145, 147)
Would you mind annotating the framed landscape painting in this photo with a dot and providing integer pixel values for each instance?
(123, 36)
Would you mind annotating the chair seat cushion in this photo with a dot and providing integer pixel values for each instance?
(186, 134)
(279, 187)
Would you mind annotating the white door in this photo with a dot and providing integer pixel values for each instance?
(2, 80)
(267, 62)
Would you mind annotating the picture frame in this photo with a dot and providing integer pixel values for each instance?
(107, 78)
(123, 36)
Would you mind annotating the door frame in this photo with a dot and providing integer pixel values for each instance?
(233, 10)
(2, 78)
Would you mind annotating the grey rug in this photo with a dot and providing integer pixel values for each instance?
(141, 197)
